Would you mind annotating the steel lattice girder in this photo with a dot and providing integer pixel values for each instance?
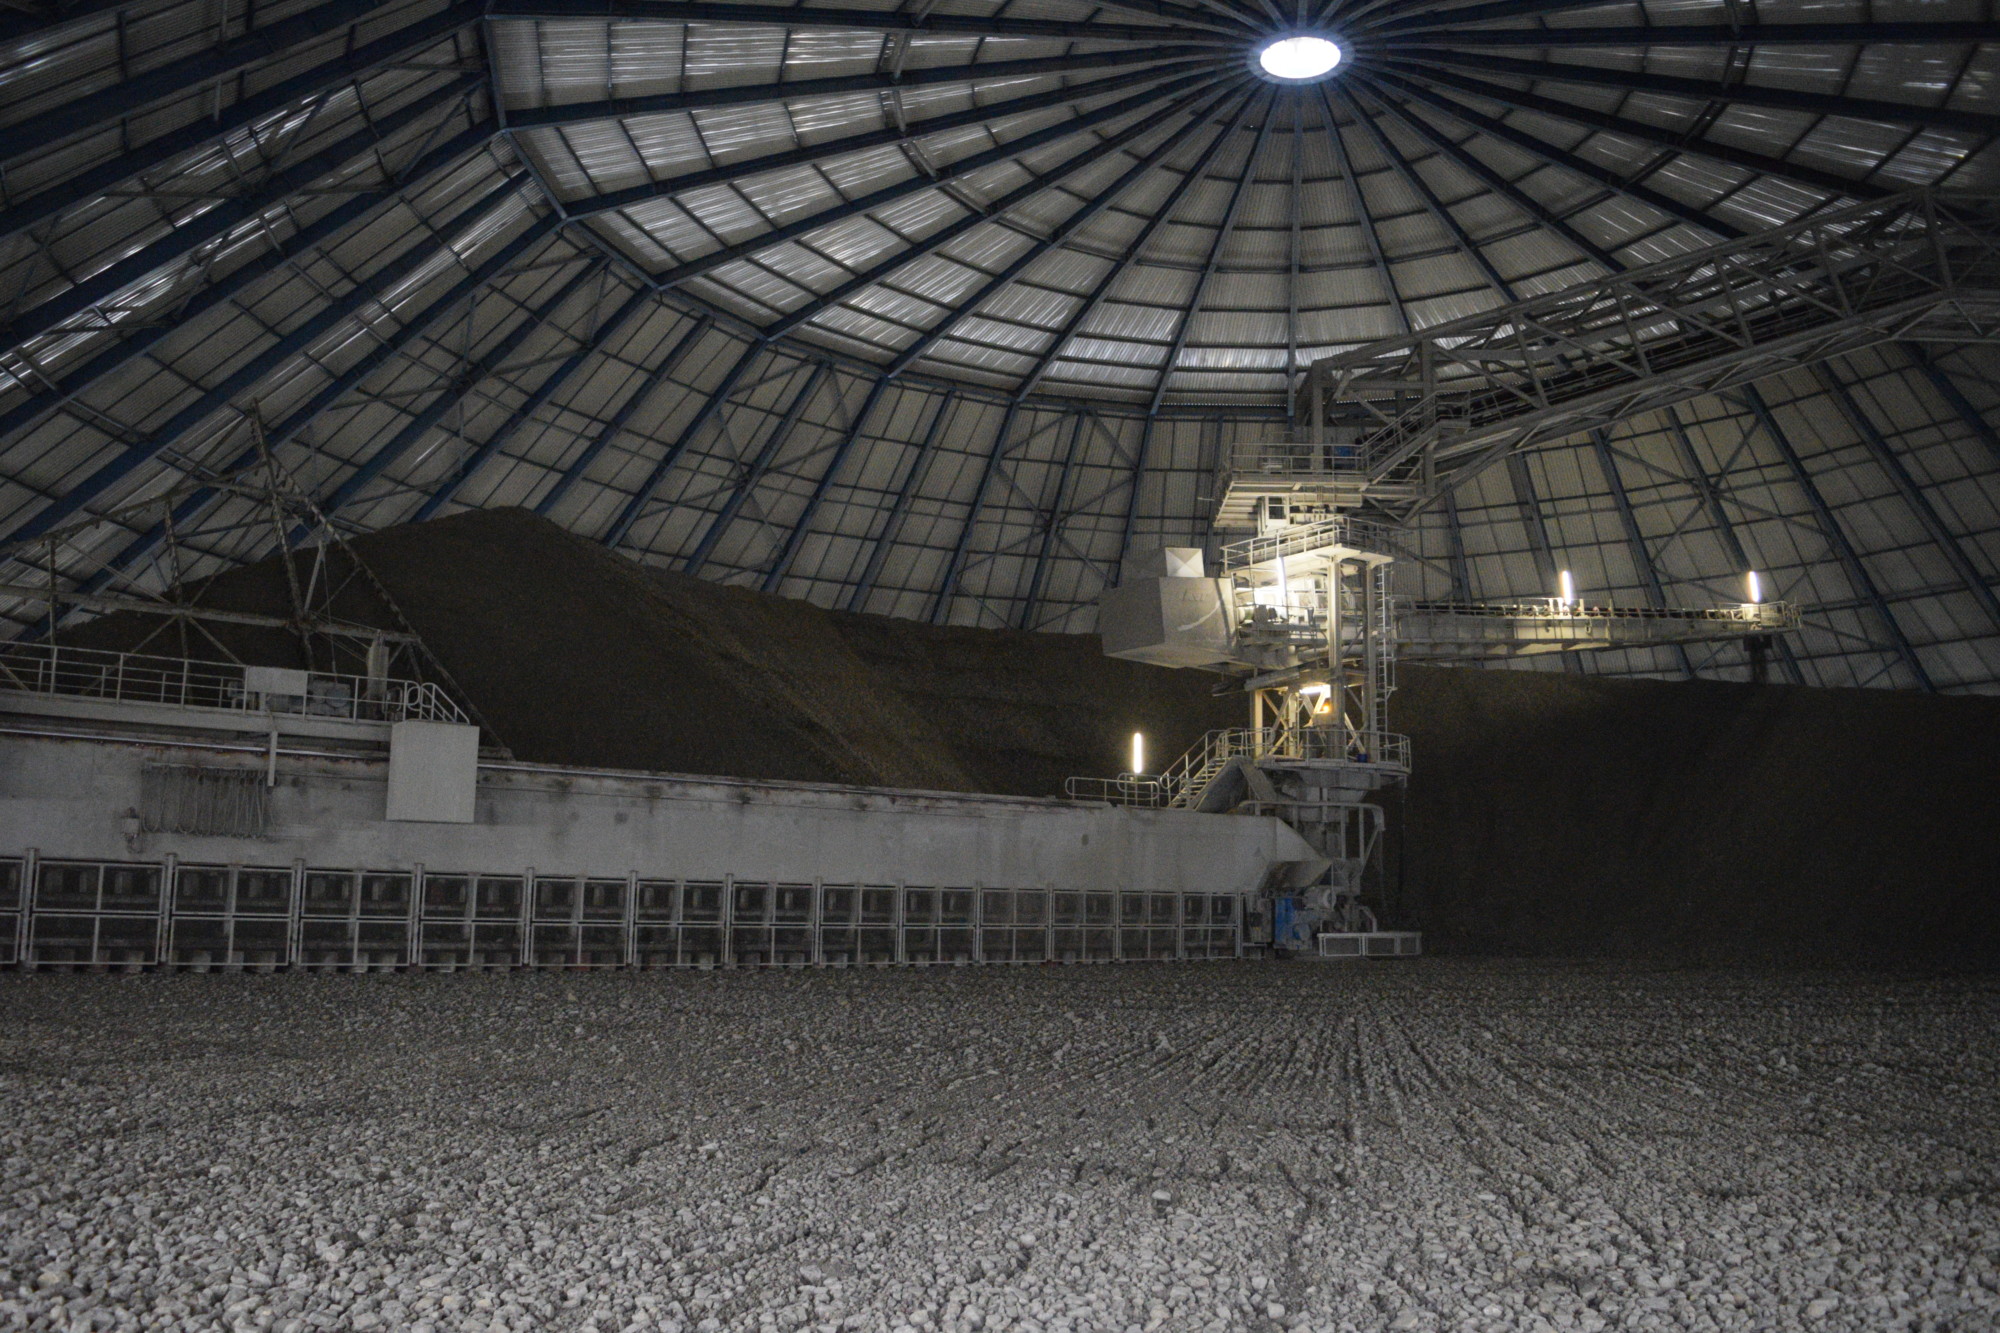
(1463, 394)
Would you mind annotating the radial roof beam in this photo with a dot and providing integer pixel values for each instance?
(224, 288)
(250, 372)
(1051, 523)
(153, 153)
(1530, 207)
(1955, 397)
(1092, 207)
(1088, 306)
(1568, 161)
(1635, 538)
(948, 584)
(750, 94)
(1692, 34)
(999, 207)
(108, 106)
(1708, 491)
(1661, 136)
(391, 345)
(1184, 324)
(621, 526)
(551, 384)
(1412, 15)
(662, 367)
(1141, 454)
(753, 472)
(1782, 99)
(987, 114)
(33, 18)
(914, 21)
(455, 391)
(1404, 168)
(919, 183)
(280, 188)
(892, 522)
(1528, 501)
(1829, 525)
(1977, 585)
(1364, 216)
(802, 526)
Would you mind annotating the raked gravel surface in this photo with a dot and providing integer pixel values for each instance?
(1435, 1145)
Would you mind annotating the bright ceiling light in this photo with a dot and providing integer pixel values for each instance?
(1299, 59)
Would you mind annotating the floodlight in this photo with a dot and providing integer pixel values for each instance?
(1756, 591)
(1568, 587)
(1138, 752)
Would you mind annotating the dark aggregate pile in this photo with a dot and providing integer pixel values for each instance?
(1549, 813)
(1437, 1145)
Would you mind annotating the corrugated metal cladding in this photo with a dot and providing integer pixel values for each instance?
(985, 289)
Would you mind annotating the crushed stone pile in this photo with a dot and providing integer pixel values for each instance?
(1444, 1144)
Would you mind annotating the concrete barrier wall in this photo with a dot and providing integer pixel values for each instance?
(1033, 879)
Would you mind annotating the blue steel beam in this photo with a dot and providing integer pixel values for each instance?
(324, 228)
(754, 471)
(1344, 165)
(948, 585)
(1829, 526)
(1978, 585)
(279, 188)
(1051, 522)
(1742, 94)
(1529, 501)
(803, 526)
(1635, 538)
(662, 367)
(1708, 492)
(883, 20)
(1955, 398)
(390, 346)
(250, 372)
(1499, 184)
(1433, 204)
(1568, 161)
(460, 384)
(981, 116)
(534, 402)
(1036, 184)
(1700, 34)
(892, 522)
(1140, 454)
(918, 183)
(107, 106)
(1088, 306)
(1096, 204)
(750, 94)
(1185, 317)
(1454, 536)
(1659, 135)
(156, 152)
(615, 535)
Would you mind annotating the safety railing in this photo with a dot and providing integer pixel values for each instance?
(1183, 781)
(1125, 789)
(1768, 615)
(1352, 533)
(58, 671)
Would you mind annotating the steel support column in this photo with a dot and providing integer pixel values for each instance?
(857, 596)
(534, 402)
(1141, 451)
(1635, 539)
(1975, 583)
(1529, 501)
(754, 471)
(615, 535)
(803, 524)
(948, 585)
(1829, 526)
(1051, 523)
(663, 367)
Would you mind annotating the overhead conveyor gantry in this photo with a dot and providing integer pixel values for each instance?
(1391, 425)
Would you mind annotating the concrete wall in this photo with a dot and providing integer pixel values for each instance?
(79, 799)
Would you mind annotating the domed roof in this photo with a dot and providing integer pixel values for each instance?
(945, 308)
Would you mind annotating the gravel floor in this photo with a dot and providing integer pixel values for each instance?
(1433, 1145)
